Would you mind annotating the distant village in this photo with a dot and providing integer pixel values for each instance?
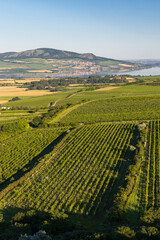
(75, 68)
(60, 68)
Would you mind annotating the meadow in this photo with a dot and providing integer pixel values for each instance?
(39, 101)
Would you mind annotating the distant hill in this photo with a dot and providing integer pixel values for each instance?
(49, 53)
(48, 62)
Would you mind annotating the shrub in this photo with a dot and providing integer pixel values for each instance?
(125, 232)
(16, 126)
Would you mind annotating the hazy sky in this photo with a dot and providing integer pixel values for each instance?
(121, 29)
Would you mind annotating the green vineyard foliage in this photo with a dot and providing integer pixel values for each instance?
(80, 177)
(16, 152)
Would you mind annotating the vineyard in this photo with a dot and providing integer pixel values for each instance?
(121, 91)
(87, 165)
(116, 109)
(80, 177)
(16, 152)
(150, 179)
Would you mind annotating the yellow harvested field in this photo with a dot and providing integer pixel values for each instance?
(125, 65)
(14, 91)
(40, 71)
(4, 68)
(124, 70)
(113, 66)
(8, 79)
(3, 101)
(18, 61)
(9, 68)
(106, 89)
(131, 80)
(33, 79)
(28, 80)
(11, 81)
(75, 85)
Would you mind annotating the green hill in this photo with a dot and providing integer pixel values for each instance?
(49, 53)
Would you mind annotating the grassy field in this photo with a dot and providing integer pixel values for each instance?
(39, 101)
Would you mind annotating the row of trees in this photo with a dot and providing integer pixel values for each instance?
(61, 82)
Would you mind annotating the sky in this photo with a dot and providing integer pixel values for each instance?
(120, 29)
